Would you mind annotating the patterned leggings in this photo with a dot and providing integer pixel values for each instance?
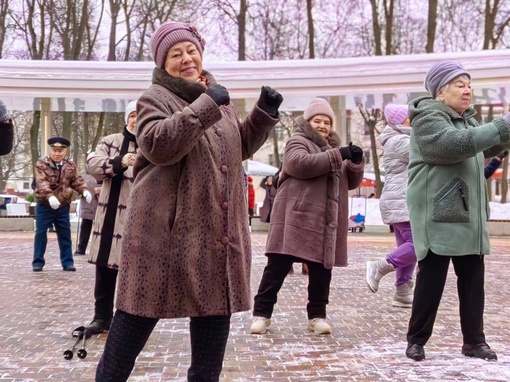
(128, 335)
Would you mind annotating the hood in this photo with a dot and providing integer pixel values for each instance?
(426, 103)
(389, 132)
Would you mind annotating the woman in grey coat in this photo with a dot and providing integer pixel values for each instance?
(448, 206)
(395, 141)
(186, 250)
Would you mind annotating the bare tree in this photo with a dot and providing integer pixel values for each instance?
(431, 26)
(371, 118)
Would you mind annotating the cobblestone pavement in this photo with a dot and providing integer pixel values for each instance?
(39, 310)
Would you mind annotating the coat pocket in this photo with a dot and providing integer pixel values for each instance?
(451, 204)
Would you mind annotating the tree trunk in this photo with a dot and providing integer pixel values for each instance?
(431, 26)
(377, 28)
(99, 132)
(389, 13)
(114, 9)
(241, 23)
(311, 34)
(34, 139)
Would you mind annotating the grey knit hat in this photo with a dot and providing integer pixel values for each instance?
(4, 115)
(442, 73)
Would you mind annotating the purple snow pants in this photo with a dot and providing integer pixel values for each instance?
(403, 257)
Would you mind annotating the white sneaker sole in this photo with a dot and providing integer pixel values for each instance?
(368, 277)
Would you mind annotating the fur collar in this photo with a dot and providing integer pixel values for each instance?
(304, 127)
(184, 89)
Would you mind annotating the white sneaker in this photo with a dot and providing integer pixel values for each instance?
(375, 271)
(404, 296)
(319, 326)
(259, 325)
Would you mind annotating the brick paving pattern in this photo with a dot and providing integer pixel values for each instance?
(39, 310)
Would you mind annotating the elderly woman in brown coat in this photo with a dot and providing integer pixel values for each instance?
(186, 249)
(309, 217)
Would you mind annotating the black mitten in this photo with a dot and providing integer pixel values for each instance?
(356, 153)
(345, 153)
(219, 94)
(270, 100)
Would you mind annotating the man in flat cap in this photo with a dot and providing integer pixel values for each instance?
(56, 179)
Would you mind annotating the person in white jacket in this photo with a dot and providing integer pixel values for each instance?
(395, 141)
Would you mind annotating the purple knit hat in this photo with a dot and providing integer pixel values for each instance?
(319, 106)
(170, 33)
(395, 114)
(442, 73)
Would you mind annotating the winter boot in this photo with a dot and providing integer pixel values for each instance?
(259, 325)
(404, 296)
(375, 271)
(319, 326)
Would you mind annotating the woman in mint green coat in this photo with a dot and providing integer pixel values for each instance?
(448, 206)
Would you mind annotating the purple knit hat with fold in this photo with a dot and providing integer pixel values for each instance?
(170, 33)
(395, 114)
(442, 73)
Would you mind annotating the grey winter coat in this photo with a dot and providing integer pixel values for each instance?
(186, 249)
(393, 205)
(447, 195)
(310, 213)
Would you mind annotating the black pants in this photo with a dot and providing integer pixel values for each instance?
(430, 282)
(104, 292)
(85, 229)
(128, 335)
(277, 268)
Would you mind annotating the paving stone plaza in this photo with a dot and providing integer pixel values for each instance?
(39, 311)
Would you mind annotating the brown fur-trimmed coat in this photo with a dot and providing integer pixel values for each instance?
(310, 211)
(186, 250)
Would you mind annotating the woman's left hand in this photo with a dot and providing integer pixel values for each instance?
(270, 100)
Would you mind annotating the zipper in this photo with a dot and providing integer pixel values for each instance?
(463, 197)
(451, 191)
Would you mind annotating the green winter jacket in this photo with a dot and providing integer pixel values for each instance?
(447, 195)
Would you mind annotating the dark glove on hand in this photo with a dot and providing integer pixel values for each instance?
(219, 94)
(270, 100)
(345, 153)
(502, 155)
(356, 153)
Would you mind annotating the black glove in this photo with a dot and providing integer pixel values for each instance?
(219, 94)
(345, 152)
(352, 152)
(356, 153)
(270, 100)
(502, 155)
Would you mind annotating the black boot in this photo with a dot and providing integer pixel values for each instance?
(482, 351)
(416, 352)
(97, 326)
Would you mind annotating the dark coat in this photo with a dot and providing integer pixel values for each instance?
(186, 249)
(267, 205)
(310, 211)
(6, 137)
(88, 210)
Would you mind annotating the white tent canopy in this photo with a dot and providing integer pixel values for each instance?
(254, 168)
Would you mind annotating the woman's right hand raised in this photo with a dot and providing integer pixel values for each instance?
(219, 94)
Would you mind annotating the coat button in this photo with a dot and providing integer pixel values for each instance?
(223, 169)
(219, 131)
(224, 206)
(224, 240)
